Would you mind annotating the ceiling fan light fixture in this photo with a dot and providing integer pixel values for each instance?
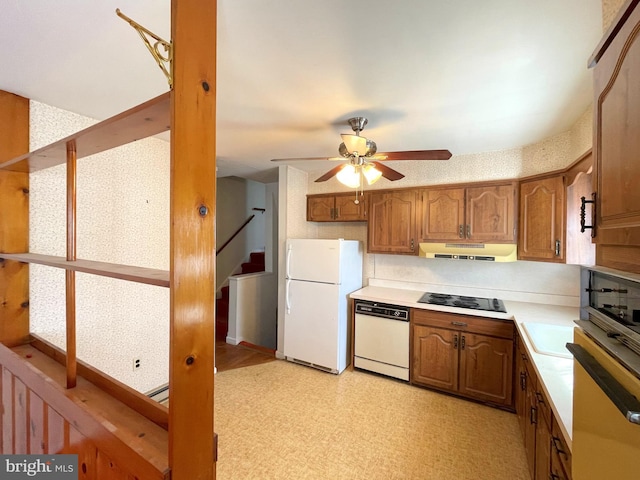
(349, 176)
(371, 173)
(355, 144)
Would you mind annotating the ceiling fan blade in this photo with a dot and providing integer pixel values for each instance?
(331, 173)
(418, 155)
(388, 173)
(301, 159)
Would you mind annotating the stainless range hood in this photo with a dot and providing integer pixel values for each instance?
(491, 252)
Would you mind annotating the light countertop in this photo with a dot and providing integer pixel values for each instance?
(555, 373)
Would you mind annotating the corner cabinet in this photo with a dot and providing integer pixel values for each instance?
(335, 207)
(469, 214)
(465, 355)
(616, 141)
(392, 222)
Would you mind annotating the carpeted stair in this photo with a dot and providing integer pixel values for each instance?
(255, 264)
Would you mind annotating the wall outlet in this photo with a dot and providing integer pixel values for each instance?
(136, 364)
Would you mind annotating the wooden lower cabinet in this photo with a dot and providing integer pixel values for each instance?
(548, 457)
(463, 359)
(435, 357)
(486, 368)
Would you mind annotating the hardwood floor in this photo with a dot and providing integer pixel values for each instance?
(229, 356)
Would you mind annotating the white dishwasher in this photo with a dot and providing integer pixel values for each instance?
(381, 338)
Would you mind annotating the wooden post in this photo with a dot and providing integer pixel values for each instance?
(70, 275)
(193, 211)
(14, 221)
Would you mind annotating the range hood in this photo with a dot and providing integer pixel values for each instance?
(491, 252)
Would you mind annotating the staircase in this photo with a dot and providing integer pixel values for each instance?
(255, 264)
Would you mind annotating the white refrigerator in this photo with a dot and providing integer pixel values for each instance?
(320, 274)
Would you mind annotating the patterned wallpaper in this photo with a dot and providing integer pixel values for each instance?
(122, 217)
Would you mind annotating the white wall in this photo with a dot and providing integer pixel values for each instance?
(122, 217)
(252, 309)
(235, 199)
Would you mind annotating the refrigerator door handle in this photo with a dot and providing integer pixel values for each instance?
(288, 274)
(286, 295)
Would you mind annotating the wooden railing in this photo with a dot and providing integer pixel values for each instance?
(235, 234)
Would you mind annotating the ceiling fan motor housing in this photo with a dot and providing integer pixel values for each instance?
(371, 149)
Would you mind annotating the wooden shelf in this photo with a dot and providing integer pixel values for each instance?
(149, 276)
(142, 121)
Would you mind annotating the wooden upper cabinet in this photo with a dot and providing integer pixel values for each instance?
(347, 210)
(320, 208)
(617, 142)
(482, 214)
(542, 219)
(392, 222)
(442, 214)
(336, 208)
(491, 213)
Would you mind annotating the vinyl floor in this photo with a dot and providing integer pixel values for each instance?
(280, 420)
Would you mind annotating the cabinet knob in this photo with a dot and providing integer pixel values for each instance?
(412, 245)
(461, 231)
(462, 343)
(468, 231)
(455, 342)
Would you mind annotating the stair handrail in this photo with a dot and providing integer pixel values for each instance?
(246, 222)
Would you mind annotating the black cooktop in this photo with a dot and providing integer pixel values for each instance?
(474, 303)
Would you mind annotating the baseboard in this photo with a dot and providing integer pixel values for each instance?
(232, 341)
(280, 355)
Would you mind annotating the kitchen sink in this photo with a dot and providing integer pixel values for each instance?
(549, 339)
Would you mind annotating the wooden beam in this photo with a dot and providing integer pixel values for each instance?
(70, 275)
(193, 242)
(14, 221)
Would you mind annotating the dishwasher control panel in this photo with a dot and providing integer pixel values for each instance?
(384, 310)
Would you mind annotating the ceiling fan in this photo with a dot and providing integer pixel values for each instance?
(364, 161)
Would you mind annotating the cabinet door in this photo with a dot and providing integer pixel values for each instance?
(442, 215)
(347, 210)
(491, 214)
(542, 221)
(435, 357)
(521, 390)
(532, 420)
(543, 450)
(392, 223)
(486, 368)
(320, 209)
(617, 136)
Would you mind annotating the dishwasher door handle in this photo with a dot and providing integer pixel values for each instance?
(628, 405)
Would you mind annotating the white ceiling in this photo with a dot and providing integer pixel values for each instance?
(471, 76)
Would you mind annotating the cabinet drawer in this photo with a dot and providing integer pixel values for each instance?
(560, 450)
(465, 323)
